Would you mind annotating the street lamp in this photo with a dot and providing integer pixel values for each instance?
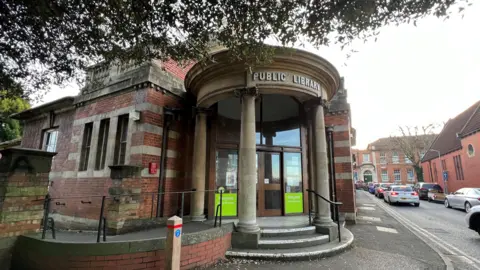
(444, 182)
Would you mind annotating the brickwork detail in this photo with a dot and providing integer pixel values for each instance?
(192, 256)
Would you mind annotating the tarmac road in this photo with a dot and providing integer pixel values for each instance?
(381, 242)
(442, 227)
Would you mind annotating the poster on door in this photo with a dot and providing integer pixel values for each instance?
(293, 203)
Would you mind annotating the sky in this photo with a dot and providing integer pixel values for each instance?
(411, 76)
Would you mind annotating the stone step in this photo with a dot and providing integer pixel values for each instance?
(268, 233)
(305, 253)
(292, 242)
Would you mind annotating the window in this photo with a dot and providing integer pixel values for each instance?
(50, 138)
(410, 175)
(102, 144)
(366, 157)
(86, 143)
(407, 160)
(396, 175)
(470, 150)
(405, 189)
(121, 140)
(383, 158)
(444, 165)
(457, 161)
(384, 176)
(277, 120)
(395, 158)
(435, 173)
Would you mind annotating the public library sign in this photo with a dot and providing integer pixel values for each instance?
(267, 76)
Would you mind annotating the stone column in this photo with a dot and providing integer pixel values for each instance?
(247, 198)
(322, 220)
(199, 163)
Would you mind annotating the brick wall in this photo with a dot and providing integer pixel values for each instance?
(470, 166)
(200, 254)
(176, 69)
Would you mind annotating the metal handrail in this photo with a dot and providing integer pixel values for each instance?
(217, 210)
(335, 204)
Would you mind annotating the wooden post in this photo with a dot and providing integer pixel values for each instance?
(174, 243)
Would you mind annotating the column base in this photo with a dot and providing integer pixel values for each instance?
(248, 227)
(200, 218)
(329, 228)
(244, 240)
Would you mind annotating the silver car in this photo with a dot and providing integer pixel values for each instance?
(464, 198)
(473, 219)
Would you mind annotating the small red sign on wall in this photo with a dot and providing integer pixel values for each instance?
(152, 168)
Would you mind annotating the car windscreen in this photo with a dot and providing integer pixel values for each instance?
(385, 185)
(477, 190)
(428, 186)
(407, 189)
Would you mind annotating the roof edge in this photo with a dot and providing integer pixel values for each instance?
(49, 106)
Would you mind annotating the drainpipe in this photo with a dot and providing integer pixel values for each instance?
(333, 184)
(168, 117)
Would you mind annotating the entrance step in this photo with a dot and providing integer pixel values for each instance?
(325, 249)
(292, 242)
(267, 233)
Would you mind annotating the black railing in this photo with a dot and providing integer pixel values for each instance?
(219, 208)
(335, 204)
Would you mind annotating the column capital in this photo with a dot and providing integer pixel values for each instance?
(316, 102)
(329, 129)
(201, 110)
(246, 91)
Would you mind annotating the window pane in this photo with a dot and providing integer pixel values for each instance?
(293, 172)
(280, 122)
(226, 169)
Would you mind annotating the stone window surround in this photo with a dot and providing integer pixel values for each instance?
(133, 126)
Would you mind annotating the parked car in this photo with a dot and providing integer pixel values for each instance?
(380, 189)
(464, 198)
(371, 188)
(473, 219)
(422, 189)
(436, 194)
(359, 184)
(401, 194)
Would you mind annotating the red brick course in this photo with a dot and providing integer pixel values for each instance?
(192, 256)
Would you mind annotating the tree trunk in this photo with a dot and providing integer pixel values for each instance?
(419, 172)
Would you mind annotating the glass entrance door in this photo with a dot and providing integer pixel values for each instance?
(269, 184)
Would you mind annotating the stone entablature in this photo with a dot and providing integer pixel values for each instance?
(300, 74)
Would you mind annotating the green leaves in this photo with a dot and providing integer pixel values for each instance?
(9, 128)
(51, 41)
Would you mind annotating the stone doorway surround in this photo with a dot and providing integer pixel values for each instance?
(305, 76)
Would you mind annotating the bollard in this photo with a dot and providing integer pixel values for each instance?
(174, 243)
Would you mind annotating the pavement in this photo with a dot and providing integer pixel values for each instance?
(381, 242)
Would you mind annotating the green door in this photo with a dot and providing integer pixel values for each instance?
(367, 178)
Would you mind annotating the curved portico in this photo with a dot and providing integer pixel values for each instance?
(259, 104)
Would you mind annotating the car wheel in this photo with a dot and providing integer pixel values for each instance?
(447, 204)
(389, 202)
(429, 200)
(468, 207)
(417, 204)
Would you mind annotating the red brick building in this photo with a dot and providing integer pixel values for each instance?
(382, 161)
(138, 130)
(454, 152)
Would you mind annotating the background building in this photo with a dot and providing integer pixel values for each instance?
(453, 152)
(384, 161)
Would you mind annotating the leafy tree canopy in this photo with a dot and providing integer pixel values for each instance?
(9, 128)
(47, 41)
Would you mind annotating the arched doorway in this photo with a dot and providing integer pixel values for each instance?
(367, 176)
(278, 129)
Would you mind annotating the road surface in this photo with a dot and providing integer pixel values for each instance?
(441, 227)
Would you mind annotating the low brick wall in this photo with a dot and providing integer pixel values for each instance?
(198, 249)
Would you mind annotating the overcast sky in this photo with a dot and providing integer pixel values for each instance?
(409, 76)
